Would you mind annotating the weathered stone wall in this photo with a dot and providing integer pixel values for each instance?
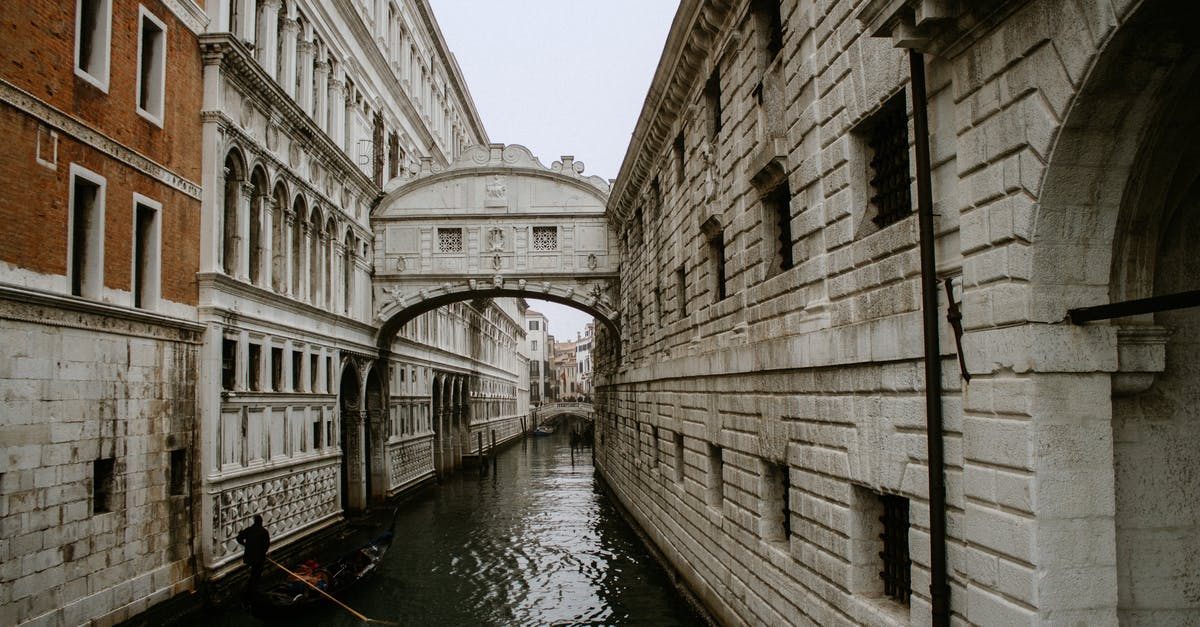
(79, 385)
(812, 373)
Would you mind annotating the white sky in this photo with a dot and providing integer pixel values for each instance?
(561, 77)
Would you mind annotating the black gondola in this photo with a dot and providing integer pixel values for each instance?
(308, 580)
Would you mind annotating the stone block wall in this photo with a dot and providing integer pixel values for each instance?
(1038, 114)
(97, 423)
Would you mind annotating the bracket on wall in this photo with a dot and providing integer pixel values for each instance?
(954, 316)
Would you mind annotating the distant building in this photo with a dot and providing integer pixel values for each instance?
(537, 342)
(584, 349)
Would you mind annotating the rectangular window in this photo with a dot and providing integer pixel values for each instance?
(681, 291)
(545, 238)
(716, 255)
(152, 67)
(776, 503)
(277, 369)
(680, 153)
(769, 24)
(297, 373)
(147, 255)
(678, 442)
(93, 30)
(178, 478)
(534, 325)
(450, 240)
(86, 253)
(312, 372)
(716, 482)
(228, 363)
(712, 100)
(393, 155)
(255, 366)
(103, 485)
(659, 310)
(896, 563)
(317, 431)
(777, 218)
(533, 345)
(886, 134)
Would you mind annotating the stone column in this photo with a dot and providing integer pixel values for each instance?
(267, 40)
(246, 193)
(321, 95)
(322, 385)
(305, 64)
(348, 111)
(337, 108)
(381, 21)
(289, 29)
(289, 219)
(305, 275)
(245, 29)
(337, 284)
(266, 257)
(305, 373)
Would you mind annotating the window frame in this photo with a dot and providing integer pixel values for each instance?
(153, 278)
(101, 81)
(92, 281)
(155, 118)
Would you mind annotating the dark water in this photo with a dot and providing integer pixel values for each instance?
(533, 543)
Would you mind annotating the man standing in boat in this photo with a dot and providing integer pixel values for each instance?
(256, 539)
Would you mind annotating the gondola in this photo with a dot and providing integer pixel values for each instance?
(310, 578)
(543, 431)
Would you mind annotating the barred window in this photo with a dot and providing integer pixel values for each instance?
(887, 138)
(896, 571)
(450, 240)
(545, 238)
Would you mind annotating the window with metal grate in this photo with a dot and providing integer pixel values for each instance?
(896, 563)
(890, 181)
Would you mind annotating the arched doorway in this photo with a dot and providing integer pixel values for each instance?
(353, 432)
(375, 433)
(1117, 220)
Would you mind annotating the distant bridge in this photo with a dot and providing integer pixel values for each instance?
(549, 411)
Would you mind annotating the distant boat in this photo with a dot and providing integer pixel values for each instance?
(544, 430)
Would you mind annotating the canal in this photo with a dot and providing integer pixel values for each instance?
(535, 542)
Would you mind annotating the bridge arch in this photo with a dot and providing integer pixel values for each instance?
(494, 223)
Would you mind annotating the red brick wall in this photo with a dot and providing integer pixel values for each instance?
(34, 214)
(38, 56)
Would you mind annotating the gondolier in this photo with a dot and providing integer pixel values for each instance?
(256, 540)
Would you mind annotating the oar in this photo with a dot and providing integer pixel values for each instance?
(330, 597)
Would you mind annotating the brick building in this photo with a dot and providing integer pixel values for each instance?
(773, 419)
(99, 216)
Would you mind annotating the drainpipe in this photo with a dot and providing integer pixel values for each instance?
(939, 589)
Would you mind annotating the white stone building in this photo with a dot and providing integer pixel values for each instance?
(311, 110)
(539, 355)
(772, 421)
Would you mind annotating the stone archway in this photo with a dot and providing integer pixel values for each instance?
(354, 495)
(494, 223)
(1118, 216)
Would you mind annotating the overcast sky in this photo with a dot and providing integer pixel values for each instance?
(561, 77)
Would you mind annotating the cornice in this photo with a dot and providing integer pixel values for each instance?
(236, 61)
(83, 132)
(221, 283)
(938, 27)
(189, 13)
(27, 296)
(688, 51)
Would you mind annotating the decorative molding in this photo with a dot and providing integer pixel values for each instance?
(82, 132)
(45, 308)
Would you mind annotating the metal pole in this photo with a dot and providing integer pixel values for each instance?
(939, 589)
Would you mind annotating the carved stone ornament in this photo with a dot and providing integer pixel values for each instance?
(521, 283)
(401, 265)
(496, 240)
(393, 292)
(498, 281)
(273, 138)
(294, 154)
(247, 115)
(496, 262)
(496, 192)
(710, 167)
(592, 262)
(473, 284)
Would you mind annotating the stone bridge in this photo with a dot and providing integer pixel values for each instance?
(547, 412)
(496, 222)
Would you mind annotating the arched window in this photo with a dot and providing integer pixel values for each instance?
(279, 248)
(234, 173)
(299, 211)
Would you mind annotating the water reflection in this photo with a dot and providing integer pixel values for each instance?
(533, 543)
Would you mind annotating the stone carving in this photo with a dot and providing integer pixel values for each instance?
(394, 293)
(401, 264)
(710, 170)
(408, 461)
(496, 262)
(496, 192)
(286, 503)
(568, 165)
(498, 281)
(247, 114)
(521, 283)
(294, 154)
(473, 284)
(496, 240)
(273, 138)
(592, 262)
(597, 294)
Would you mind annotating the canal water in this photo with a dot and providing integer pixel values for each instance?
(535, 542)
